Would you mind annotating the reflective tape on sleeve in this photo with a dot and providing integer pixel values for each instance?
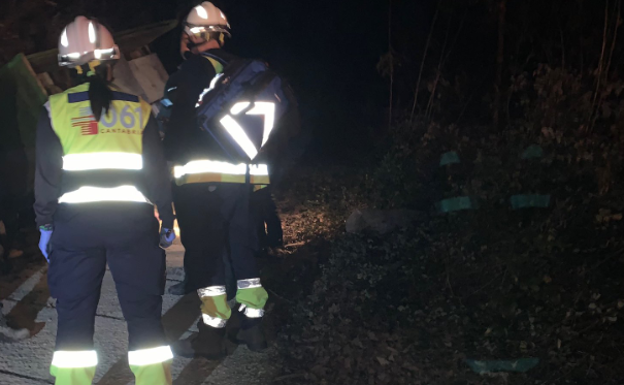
(74, 360)
(97, 194)
(150, 356)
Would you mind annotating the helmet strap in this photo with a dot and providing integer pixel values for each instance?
(88, 68)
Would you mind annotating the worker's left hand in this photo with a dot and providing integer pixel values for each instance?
(44, 243)
(167, 236)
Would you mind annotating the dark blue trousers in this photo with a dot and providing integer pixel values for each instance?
(86, 238)
(218, 231)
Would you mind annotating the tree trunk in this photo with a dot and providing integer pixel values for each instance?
(500, 60)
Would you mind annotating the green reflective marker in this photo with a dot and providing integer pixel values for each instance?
(527, 201)
(450, 157)
(455, 204)
(533, 152)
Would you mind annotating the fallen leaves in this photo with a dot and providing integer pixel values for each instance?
(407, 308)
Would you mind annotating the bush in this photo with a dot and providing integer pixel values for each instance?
(488, 283)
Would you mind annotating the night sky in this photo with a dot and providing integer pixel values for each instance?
(328, 50)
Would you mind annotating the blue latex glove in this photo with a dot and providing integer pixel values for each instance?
(44, 243)
(167, 236)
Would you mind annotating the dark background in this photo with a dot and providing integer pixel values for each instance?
(333, 51)
(328, 50)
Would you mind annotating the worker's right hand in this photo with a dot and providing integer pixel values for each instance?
(44, 243)
(167, 236)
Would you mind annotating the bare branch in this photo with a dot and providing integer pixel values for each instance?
(422, 64)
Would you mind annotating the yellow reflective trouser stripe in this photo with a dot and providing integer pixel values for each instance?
(74, 368)
(252, 296)
(215, 309)
(73, 376)
(150, 356)
(151, 366)
(155, 374)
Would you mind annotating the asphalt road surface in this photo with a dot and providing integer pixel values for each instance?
(27, 302)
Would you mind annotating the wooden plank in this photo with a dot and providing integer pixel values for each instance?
(151, 75)
(34, 75)
(125, 79)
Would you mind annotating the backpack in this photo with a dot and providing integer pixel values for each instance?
(243, 109)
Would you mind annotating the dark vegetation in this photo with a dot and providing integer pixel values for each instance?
(528, 95)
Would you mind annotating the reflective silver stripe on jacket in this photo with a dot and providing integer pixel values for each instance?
(215, 167)
(98, 194)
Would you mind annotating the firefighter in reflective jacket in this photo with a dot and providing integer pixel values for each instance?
(212, 197)
(100, 170)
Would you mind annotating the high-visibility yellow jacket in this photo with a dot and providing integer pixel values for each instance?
(196, 158)
(81, 160)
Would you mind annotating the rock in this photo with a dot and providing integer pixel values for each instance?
(379, 221)
(8, 334)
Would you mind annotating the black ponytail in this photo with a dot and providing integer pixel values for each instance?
(100, 95)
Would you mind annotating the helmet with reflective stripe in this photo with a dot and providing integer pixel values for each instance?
(84, 41)
(204, 19)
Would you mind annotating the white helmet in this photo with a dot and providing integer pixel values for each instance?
(206, 18)
(85, 40)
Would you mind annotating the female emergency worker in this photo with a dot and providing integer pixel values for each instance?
(100, 171)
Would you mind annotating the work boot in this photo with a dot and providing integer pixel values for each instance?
(251, 334)
(208, 343)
